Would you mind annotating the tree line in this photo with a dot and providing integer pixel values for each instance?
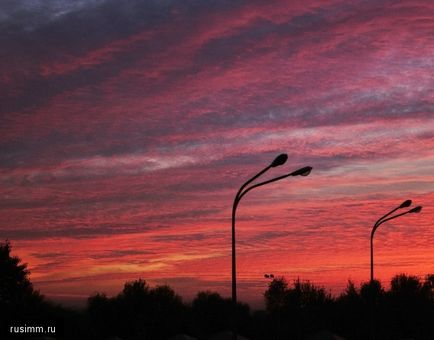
(295, 310)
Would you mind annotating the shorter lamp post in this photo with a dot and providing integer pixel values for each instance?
(385, 218)
(382, 220)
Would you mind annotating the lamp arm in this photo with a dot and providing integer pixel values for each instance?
(383, 219)
(380, 222)
(391, 218)
(238, 198)
(388, 214)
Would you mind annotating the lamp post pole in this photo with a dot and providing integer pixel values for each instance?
(279, 160)
(382, 220)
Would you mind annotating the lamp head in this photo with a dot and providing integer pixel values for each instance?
(405, 204)
(416, 209)
(279, 160)
(302, 172)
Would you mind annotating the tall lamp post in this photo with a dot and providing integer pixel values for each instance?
(382, 220)
(279, 160)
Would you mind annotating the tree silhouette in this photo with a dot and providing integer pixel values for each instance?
(275, 294)
(168, 311)
(409, 306)
(103, 316)
(428, 287)
(138, 312)
(298, 310)
(211, 313)
(371, 290)
(14, 277)
(405, 286)
(16, 291)
(351, 314)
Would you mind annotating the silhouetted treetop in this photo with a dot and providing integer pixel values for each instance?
(14, 277)
(275, 294)
(136, 289)
(428, 286)
(371, 290)
(351, 293)
(301, 294)
(402, 284)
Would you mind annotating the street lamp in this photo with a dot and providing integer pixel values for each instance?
(279, 160)
(383, 219)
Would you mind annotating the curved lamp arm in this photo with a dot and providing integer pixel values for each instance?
(251, 180)
(414, 210)
(381, 220)
(279, 160)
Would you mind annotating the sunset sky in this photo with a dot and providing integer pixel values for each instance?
(127, 127)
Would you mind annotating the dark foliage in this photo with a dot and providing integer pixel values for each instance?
(17, 296)
(406, 311)
(19, 301)
(138, 312)
(211, 313)
(15, 286)
(297, 311)
(410, 306)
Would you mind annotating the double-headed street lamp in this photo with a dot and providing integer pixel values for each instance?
(279, 160)
(385, 218)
